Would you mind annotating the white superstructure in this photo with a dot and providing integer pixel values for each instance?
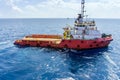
(83, 28)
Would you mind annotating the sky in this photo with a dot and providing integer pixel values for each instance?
(58, 8)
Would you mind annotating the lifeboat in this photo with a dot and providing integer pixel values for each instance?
(84, 35)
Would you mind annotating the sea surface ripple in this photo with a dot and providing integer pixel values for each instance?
(32, 63)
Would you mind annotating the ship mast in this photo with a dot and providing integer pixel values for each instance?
(82, 8)
(79, 20)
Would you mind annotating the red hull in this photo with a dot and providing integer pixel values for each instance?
(55, 41)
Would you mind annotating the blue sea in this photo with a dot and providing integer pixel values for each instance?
(32, 63)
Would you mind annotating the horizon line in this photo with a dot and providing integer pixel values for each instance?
(56, 18)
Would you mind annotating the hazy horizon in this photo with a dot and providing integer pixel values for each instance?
(57, 18)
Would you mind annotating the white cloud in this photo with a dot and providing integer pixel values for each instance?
(104, 9)
(13, 6)
(53, 9)
(16, 8)
(31, 8)
(61, 8)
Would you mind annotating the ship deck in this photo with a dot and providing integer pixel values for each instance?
(43, 39)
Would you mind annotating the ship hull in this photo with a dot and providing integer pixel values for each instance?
(55, 41)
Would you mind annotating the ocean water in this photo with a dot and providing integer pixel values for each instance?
(32, 63)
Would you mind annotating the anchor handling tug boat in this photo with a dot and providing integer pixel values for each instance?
(84, 35)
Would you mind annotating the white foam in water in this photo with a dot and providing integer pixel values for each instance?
(110, 60)
(112, 74)
(69, 78)
(5, 45)
(5, 42)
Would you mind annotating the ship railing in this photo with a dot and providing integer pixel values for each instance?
(83, 24)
